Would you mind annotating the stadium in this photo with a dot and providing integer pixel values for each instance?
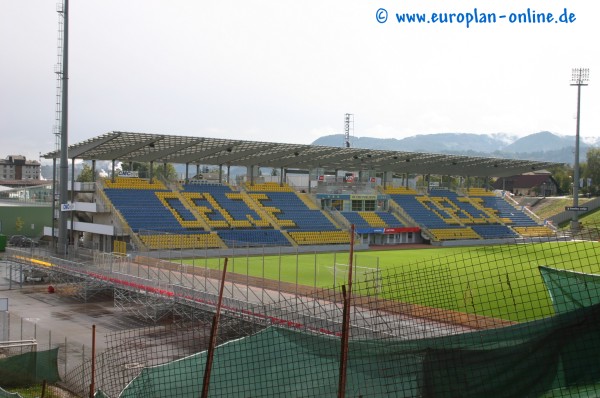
(340, 274)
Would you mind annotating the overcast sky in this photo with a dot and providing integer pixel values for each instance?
(288, 71)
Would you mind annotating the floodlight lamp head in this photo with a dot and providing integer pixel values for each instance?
(580, 75)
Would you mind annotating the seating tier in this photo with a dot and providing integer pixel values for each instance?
(487, 215)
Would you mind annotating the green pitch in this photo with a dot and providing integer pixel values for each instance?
(497, 281)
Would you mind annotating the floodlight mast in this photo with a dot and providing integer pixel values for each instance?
(579, 77)
(64, 166)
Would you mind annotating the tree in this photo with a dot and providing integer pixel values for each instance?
(562, 175)
(87, 174)
(592, 169)
(143, 170)
(169, 173)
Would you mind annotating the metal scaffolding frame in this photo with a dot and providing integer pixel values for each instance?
(152, 292)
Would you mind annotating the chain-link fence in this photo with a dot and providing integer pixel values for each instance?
(476, 321)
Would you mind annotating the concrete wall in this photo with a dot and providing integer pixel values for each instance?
(568, 215)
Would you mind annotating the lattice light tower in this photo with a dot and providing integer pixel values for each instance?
(348, 128)
(60, 128)
(579, 78)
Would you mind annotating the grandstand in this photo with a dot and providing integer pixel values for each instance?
(480, 215)
(214, 215)
(151, 213)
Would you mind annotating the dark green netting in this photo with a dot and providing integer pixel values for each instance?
(524, 360)
(29, 368)
(570, 290)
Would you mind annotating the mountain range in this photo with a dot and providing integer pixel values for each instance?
(542, 146)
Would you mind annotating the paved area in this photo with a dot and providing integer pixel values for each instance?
(50, 318)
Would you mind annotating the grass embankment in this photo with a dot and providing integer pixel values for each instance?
(551, 206)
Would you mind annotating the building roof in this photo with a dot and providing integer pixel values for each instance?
(524, 181)
(160, 148)
(20, 159)
(24, 183)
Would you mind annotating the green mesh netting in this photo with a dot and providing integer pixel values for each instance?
(556, 352)
(570, 290)
(29, 368)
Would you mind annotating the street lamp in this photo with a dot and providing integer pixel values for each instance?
(579, 77)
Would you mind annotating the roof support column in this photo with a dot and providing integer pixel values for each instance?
(72, 196)
(112, 171)
(281, 179)
(94, 169)
(388, 177)
(187, 172)
(220, 174)
(54, 179)
(151, 171)
(229, 174)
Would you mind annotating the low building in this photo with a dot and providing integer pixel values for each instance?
(528, 184)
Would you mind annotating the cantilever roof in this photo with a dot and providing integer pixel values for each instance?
(161, 148)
